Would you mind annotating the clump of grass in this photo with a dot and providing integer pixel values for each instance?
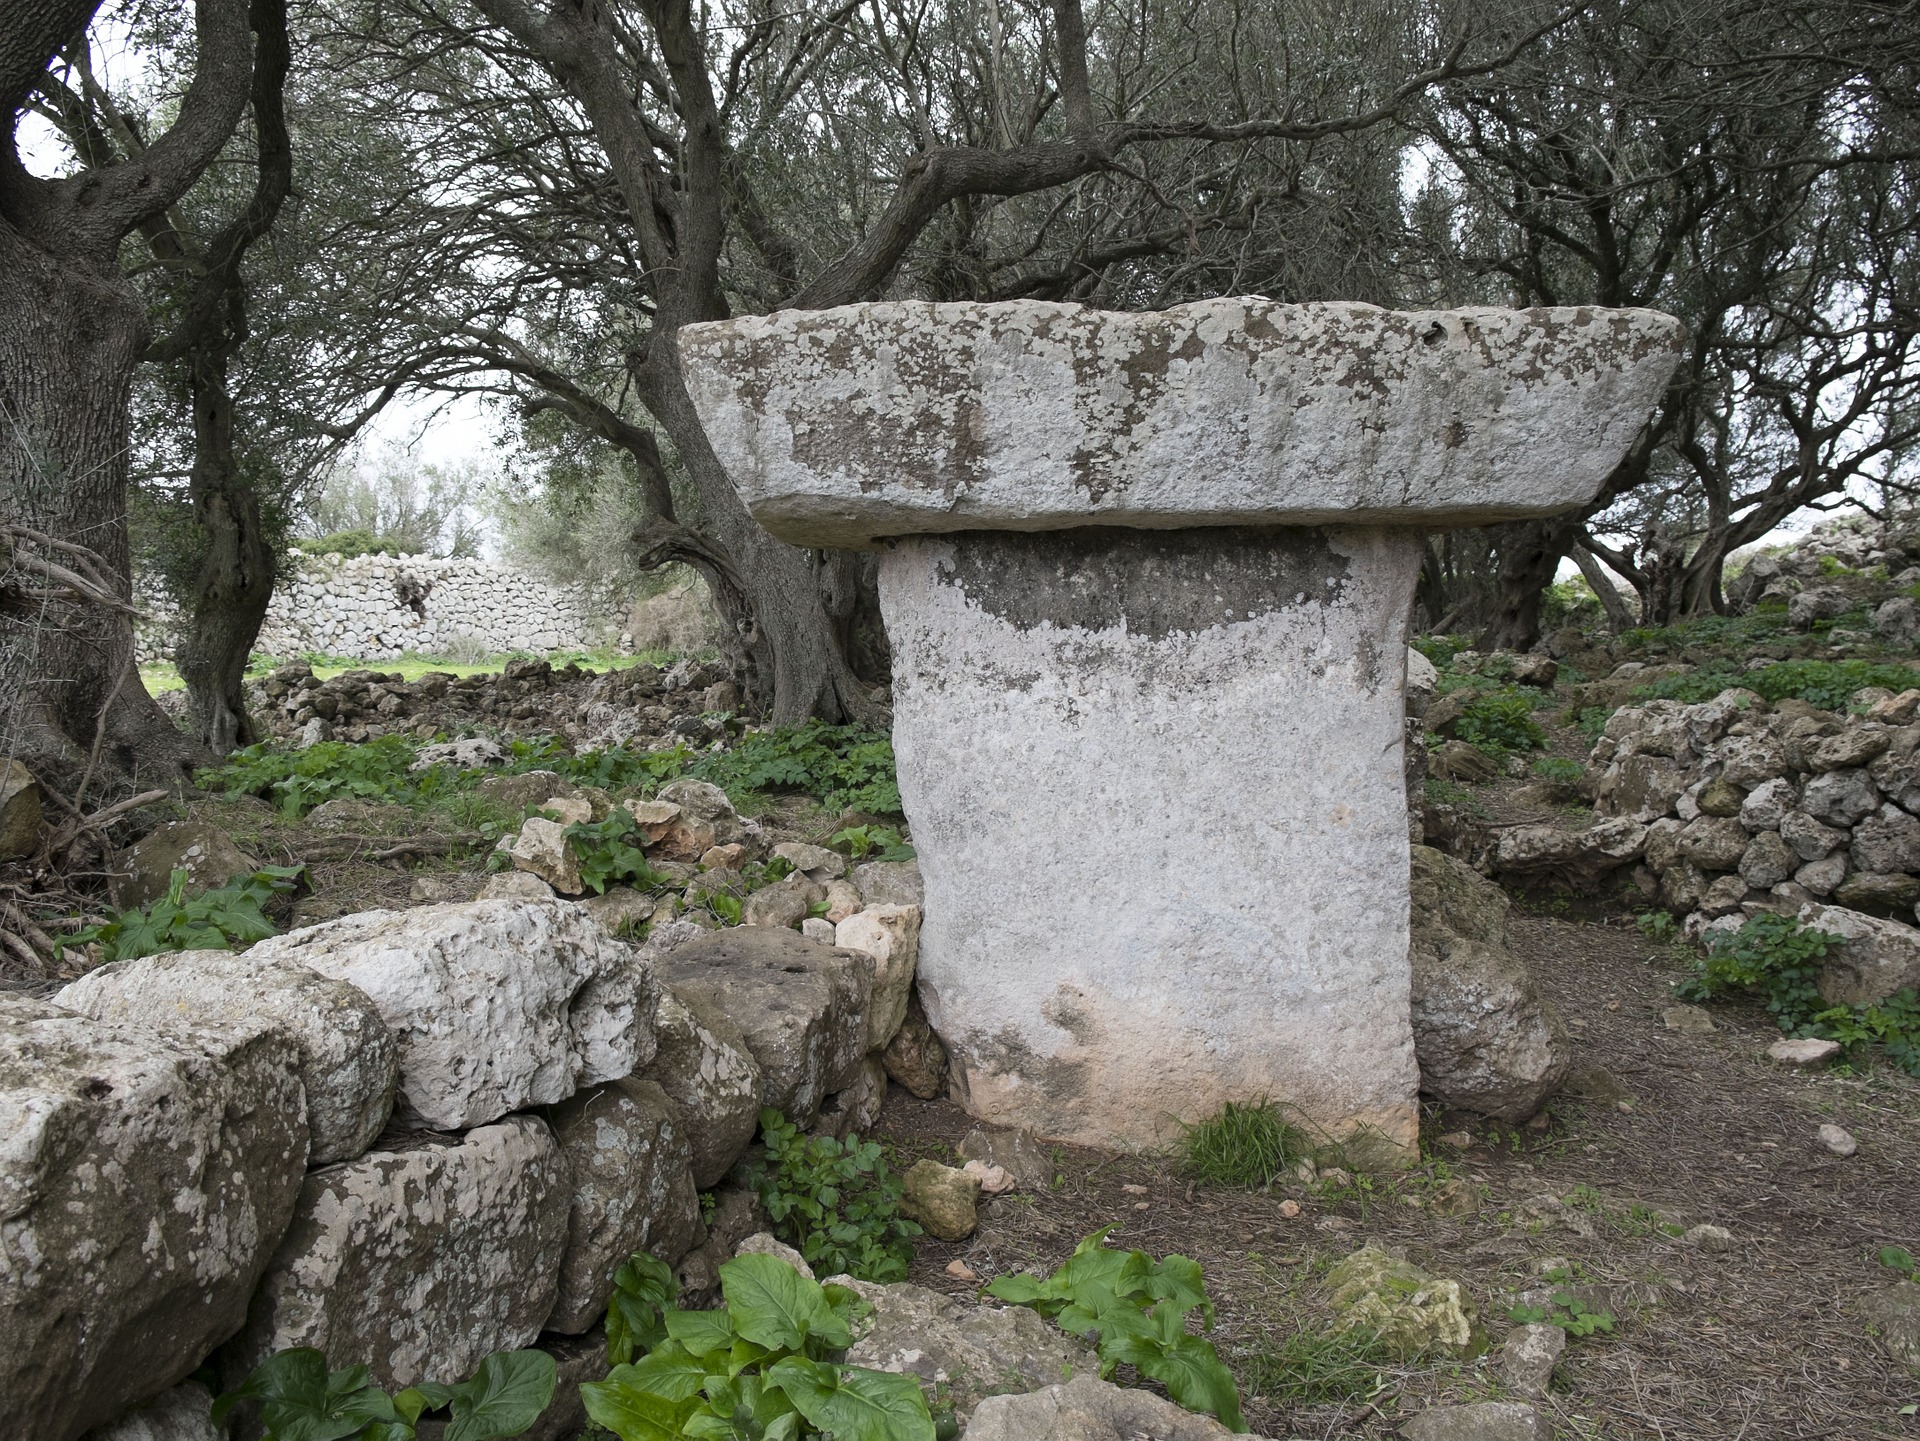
(1242, 1146)
(1318, 1368)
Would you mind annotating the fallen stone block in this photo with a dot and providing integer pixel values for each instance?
(142, 872)
(631, 1190)
(347, 1057)
(960, 1353)
(144, 1182)
(184, 1413)
(1480, 1421)
(801, 1007)
(417, 1262)
(1877, 958)
(703, 1065)
(1485, 1040)
(495, 1005)
(891, 935)
(1089, 1409)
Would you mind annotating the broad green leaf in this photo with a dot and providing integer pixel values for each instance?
(773, 1305)
(669, 1371)
(1179, 1279)
(631, 1413)
(855, 1404)
(701, 1332)
(1195, 1376)
(1019, 1289)
(301, 1401)
(505, 1396)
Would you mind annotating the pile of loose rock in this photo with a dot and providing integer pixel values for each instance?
(585, 707)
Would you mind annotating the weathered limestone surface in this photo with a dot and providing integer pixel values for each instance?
(1147, 586)
(904, 417)
(1218, 716)
(632, 1190)
(347, 1055)
(496, 1005)
(144, 1182)
(417, 1262)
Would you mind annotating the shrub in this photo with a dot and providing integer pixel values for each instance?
(764, 1366)
(1559, 770)
(1440, 649)
(609, 853)
(351, 543)
(836, 1202)
(1776, 959)
(214, 920)
(301, 1400)
(1242, 1146)
(298, 780)
(842, 767)
(1501, 720)
(1135, 1310)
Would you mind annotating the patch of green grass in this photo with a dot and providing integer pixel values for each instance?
(1243, 1145)
(842, 767)
(1452, 793)
(1318, 1368)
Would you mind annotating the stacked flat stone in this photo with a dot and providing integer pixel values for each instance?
(1146, 580)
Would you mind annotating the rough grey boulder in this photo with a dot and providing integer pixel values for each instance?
(1580, 858)
(890, 883)
(632, 1189)
(1767, 861)
(144, 1181)
(21, 820)
(1810, 839)
(1887, 843)
(1840, 797)
(1878, 957)
(1480, 1421)
(142, 872)
(347, 1057)
(1089, 1409)
(965, 1352)
(495, 1005)
(1894, 1314)
(854, 1108)
(705, 1068)
(915, 1057)
(1768, 804)
(1714, 843)
(800, 1006)
(417, 1262)
(1640, 787)
(184, 1413)
(1484, 1039)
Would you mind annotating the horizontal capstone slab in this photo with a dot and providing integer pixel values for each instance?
(840, 427)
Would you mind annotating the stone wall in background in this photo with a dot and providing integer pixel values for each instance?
(380, 607)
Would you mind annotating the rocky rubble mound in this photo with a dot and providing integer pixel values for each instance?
(1840, 559)
(589, 709)
(1740, 806)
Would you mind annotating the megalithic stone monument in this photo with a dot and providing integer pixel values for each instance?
(1147, 580)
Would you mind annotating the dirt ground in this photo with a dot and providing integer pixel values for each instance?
(1758, 1342)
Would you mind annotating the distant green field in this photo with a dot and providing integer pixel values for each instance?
(162, 678)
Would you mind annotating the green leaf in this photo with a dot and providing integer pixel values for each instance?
(505, 1396)
(773, 1305)
(669, 1371)
(1195, 1376)
(701, 1332)
(855, 1404)
(301, 1401)
(630, 1411)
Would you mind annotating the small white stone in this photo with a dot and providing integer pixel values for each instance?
(1806, 1051)
(1837, 1139)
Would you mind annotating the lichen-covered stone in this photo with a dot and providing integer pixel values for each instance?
(495, 1005)
(801, 1007)
(1410, 1310)
(1089, 1409)
(906, 417)
(417, 1262)
(1877, 958)
(916, 1057)
(1485, 1040)
(143, 871)
(961, 1353)
(941, 1198)
(705, 1068)
(144, 1182)
(631, 1190)
(348, 1061)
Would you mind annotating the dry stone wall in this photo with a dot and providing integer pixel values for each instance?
(380, 607)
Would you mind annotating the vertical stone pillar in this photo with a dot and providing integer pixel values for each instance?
(1147, 581)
